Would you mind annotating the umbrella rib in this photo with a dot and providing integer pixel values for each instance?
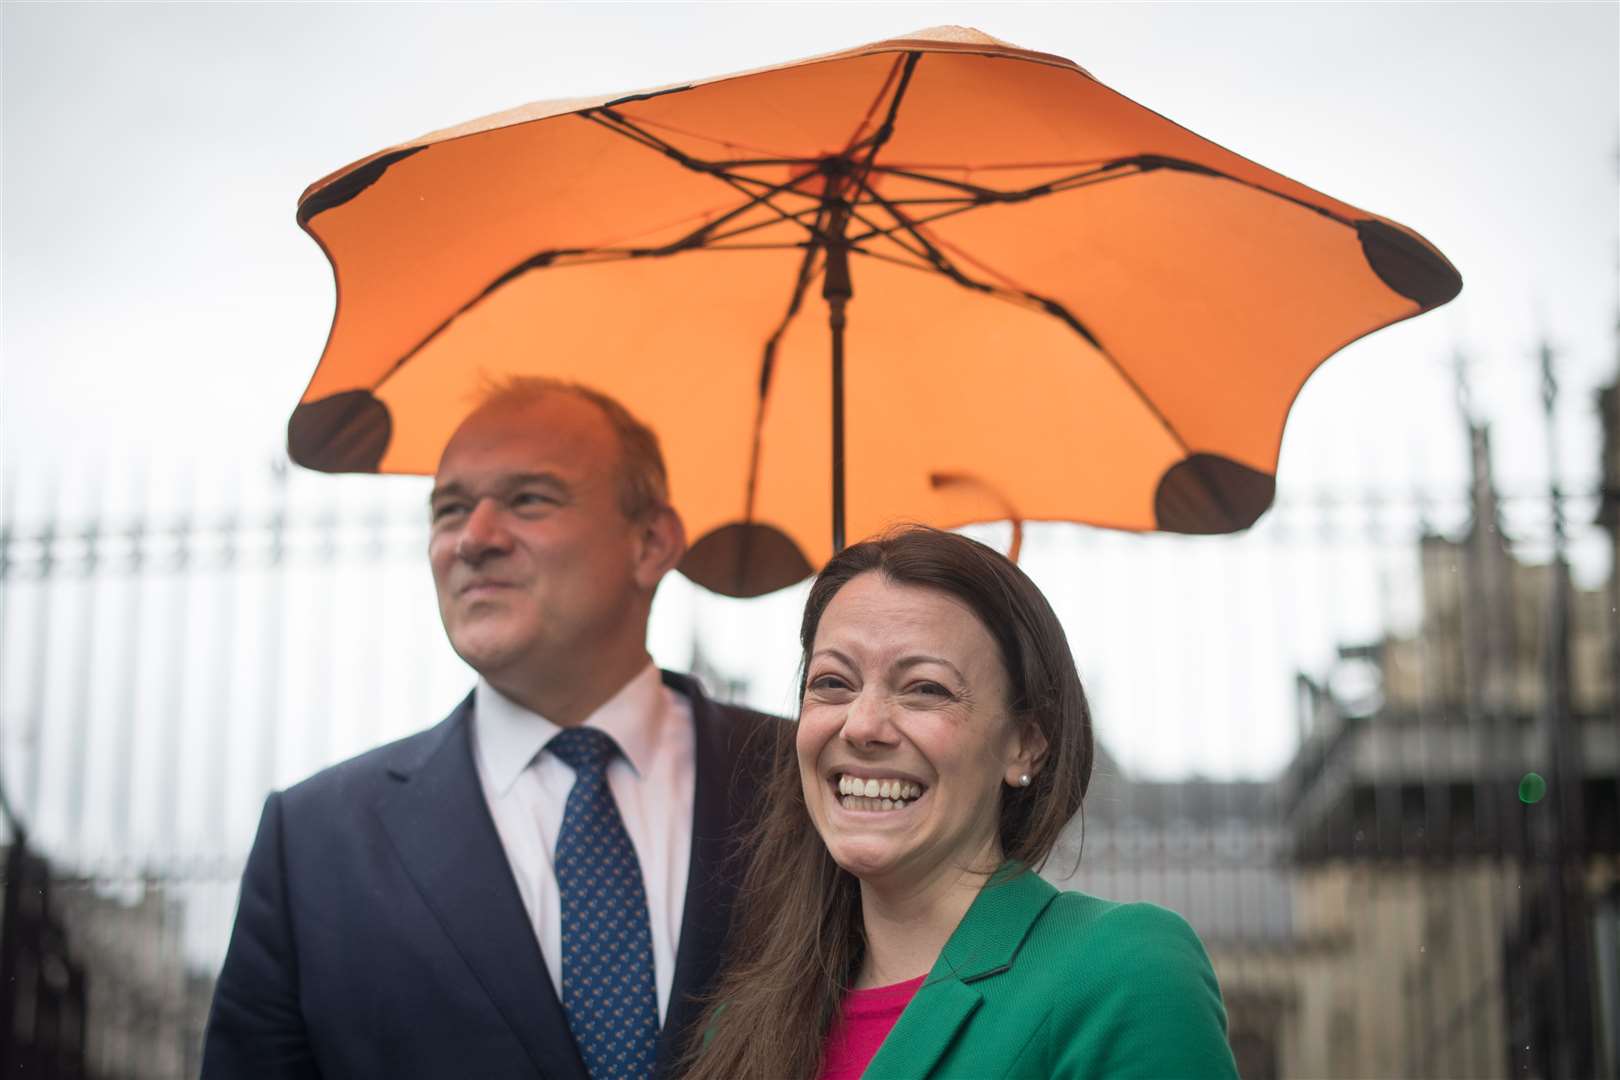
(962, 207)
(695, 239)
(767, 369)
(889, 234)
(1051, 307)
(1114, 170)
(875, 142)
(979, 196)
(760, 196)
(546, 259)
(533, 262)
(615, 122)
(947, 267)
(855, 142)
(979, 193)
(929, 251)
(975, 191)
(801, 245)
(793, 218)
(736, 181)
(1117, 169)
(942, 200)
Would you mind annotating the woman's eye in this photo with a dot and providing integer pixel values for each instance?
(829, 682)
(929, 689)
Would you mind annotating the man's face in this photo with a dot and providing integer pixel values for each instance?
(535, 563)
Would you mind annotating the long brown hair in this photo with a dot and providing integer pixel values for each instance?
(797, 937)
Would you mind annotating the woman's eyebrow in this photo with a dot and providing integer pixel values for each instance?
(914, 661)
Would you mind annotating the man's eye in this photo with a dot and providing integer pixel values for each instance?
(532, 500)
(446, 510)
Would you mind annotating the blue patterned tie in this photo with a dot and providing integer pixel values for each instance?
(607, 965)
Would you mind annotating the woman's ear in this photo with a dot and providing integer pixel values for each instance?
(1029, 753)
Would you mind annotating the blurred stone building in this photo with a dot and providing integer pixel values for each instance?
(145, 1004)
(150, 1005)
(1456, 869)
(1389, 905)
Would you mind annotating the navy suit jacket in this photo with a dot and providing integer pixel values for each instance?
(380, 932)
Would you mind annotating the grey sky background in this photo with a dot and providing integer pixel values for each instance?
(162, 310)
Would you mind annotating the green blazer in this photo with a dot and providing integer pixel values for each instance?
(1041, 983)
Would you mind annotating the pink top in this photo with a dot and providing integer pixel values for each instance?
(862, 1025)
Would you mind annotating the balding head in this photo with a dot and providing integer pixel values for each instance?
(548, 544)
(643, 480)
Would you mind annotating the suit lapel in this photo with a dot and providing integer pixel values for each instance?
(985, 943)
(439, 823)
(718, 805)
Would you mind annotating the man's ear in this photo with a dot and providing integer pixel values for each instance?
(661, 541)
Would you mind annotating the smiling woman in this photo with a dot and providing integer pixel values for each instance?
(905, 696)
(891, 922)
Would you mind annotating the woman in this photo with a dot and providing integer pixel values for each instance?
(891, 922)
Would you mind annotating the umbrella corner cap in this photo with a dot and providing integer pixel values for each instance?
(1407, 265)
(344, 432)
(1207, 494)
(744, 560)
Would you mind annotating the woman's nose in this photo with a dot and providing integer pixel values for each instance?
(868, 720)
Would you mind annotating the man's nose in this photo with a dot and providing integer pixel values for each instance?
(868, 721)
(485, 533)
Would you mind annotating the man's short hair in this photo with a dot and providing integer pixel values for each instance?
(643, 480)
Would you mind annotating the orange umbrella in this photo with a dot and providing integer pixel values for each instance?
(1059, 304)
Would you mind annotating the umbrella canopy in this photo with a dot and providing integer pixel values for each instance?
(1060, 305)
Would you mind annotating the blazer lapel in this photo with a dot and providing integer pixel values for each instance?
(719, 804)
(925, 1029)
(439, 823)
(985, 943)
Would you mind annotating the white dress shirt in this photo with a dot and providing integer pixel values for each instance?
(527, 789)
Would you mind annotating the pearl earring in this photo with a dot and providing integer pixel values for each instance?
(1023, 780)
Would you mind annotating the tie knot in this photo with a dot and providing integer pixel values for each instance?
(585, 750)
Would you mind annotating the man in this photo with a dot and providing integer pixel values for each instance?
(539, 885)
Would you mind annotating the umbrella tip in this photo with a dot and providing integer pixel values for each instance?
(962, 35)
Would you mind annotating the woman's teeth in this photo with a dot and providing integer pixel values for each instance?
(858, 793)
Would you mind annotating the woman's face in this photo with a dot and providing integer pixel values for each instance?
(906, 698)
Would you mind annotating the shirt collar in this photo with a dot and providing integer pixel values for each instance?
(509, 735)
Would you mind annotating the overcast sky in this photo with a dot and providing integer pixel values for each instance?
(160, 299)
(161, 304)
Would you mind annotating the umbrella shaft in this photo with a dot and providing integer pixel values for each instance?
(835, 320)
(836, 289)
